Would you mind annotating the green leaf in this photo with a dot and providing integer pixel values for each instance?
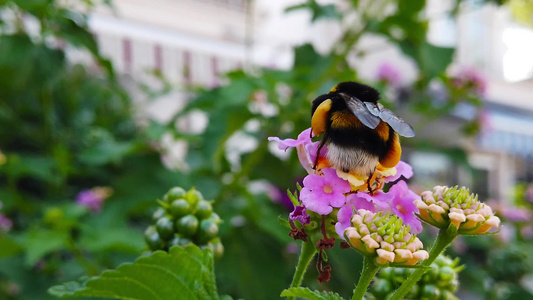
(123, 239)
(309, 64)
(36, 7)
(434, 60)
(306, 293)
(39, 167)
(410, 7)
(41, 242)
(183, 273)
(105, 149)
(246, 249)
(27, 65)
(328, 11)
(75, 34)
(9, 247)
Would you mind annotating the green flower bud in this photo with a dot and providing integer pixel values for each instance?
(152, 239)
(175, 193)
(179, 240)
(194, 196)
(208, 230)
(179, 208)
(187, 225)
(204, 210)
(165, 228)
(430, 292)
(439, 283)
(446, 274)
(381, 288)
(216, 218)
(184, 218)
(158, 213)
(217, 247)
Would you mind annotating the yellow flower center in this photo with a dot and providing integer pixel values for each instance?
(328, 189)
(401, 209)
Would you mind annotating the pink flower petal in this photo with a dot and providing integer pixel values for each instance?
(303, 138)
(402, 169)
(321, 193)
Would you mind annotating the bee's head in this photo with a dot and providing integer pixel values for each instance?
(354, 89)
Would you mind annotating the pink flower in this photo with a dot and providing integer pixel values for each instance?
(354, 202)
(279, 196)
(402, 169)
(94, 198)
(389, 73)
(400, 200)
(312, 150)
(306, 148)
(527, 232)
(469, 77)
(300, 215)
(485, 121)
(304, 138)
(516, 214)
(321, 193)
(5, 224)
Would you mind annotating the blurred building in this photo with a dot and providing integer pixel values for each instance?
(194, 41)
(488, 39)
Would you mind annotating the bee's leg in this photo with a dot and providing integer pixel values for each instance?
(369, 184)
(322, 143)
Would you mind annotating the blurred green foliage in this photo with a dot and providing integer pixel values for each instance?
(65, 128)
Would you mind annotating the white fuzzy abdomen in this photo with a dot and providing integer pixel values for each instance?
(352, 159)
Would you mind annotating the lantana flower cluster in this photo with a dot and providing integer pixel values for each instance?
(456, 207)
(327, 190)
(385, 237)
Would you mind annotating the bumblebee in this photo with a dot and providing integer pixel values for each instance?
(359, 131)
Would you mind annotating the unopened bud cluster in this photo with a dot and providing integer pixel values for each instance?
(184, 218)
(439, 283)
(384, 237)
(456, 208)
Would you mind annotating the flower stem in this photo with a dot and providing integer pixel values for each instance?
(306, 255)
(444, 239)
(369, 271)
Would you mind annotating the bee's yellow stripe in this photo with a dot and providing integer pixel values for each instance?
(383, 130)
(341, 119)
(320, 117)
(395, 153)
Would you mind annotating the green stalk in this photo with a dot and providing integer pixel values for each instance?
(369, 271)
(306, 255)
(444, 239)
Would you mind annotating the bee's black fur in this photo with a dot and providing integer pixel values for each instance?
(362, 92)
(357, 137)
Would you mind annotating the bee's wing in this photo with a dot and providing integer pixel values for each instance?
(399, 125)
(357, 107)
